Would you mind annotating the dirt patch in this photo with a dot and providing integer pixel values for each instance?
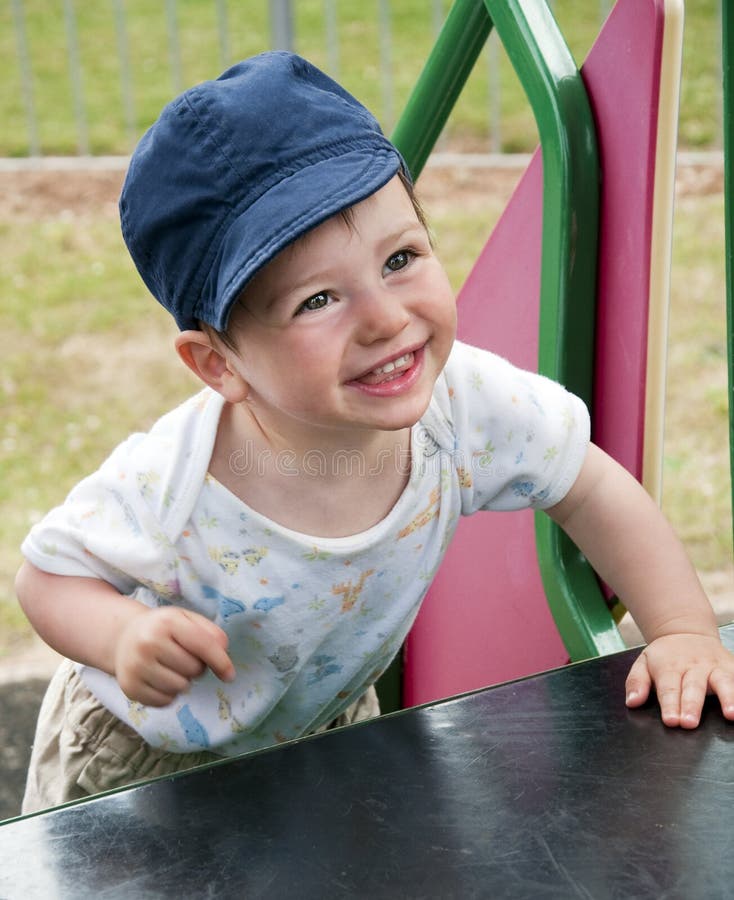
(700, 179)
(41, 194)
(38, 195)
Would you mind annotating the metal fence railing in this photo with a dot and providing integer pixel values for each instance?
(86, 79)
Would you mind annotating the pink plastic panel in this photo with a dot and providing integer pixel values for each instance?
(485, 619)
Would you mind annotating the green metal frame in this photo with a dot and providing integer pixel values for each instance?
(557, 95)
(727, 15)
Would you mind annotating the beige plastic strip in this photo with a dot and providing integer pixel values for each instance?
(661, 247)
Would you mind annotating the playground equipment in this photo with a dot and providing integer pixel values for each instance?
(574, 283)
(727, 16)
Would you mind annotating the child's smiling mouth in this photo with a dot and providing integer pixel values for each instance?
(392, 377)
(389, 370)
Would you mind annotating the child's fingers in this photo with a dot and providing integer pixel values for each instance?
(163, 686)
(207, 642)
(639, 682)
(151, 685)
(683, 668)
(721, 682)
(694, 688)
(669, 687)
(178, 659)
(163, 650)
(213, 631)
(149, 695)
(697, 683)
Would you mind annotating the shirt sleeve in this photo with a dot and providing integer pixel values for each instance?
(105, 528)
(520, 439)
(120, 524)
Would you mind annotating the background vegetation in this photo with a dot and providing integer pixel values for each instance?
(162, 54)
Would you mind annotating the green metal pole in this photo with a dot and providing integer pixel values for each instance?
(556, 92)
(457, 47)
(727, 18)
(558, 97)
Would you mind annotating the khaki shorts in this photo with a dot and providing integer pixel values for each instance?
(81, 748)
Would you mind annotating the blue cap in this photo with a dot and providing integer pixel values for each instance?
(236, 169)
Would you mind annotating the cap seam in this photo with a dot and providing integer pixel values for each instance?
(202, 270)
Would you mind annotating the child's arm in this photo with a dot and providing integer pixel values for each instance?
(632, 547)
(153, 653)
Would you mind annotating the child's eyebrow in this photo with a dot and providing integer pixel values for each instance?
(402, 228)
(279, 293)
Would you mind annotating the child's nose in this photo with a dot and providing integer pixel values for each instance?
(382, 315)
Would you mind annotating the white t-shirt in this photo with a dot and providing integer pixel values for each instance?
(311, 621)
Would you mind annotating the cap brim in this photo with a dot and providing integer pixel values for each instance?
(314, 194)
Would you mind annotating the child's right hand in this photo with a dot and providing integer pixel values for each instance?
(160, 652)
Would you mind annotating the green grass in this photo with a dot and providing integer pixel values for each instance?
(697, 494)
(200, 56)
(84, 348)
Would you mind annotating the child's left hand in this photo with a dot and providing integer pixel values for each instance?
(683, 668)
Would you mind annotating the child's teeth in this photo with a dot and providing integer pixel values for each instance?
(391, 366)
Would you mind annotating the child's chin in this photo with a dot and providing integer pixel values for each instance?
(410, 417)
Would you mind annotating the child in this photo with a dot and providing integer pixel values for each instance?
(242, 574)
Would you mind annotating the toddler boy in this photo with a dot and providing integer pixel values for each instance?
(243, 573)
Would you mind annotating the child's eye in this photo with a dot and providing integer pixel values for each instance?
(318, 301)
(399, 260)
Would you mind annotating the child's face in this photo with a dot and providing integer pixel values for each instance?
(349, 327)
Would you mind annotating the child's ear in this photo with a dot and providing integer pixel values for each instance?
(209, 363)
